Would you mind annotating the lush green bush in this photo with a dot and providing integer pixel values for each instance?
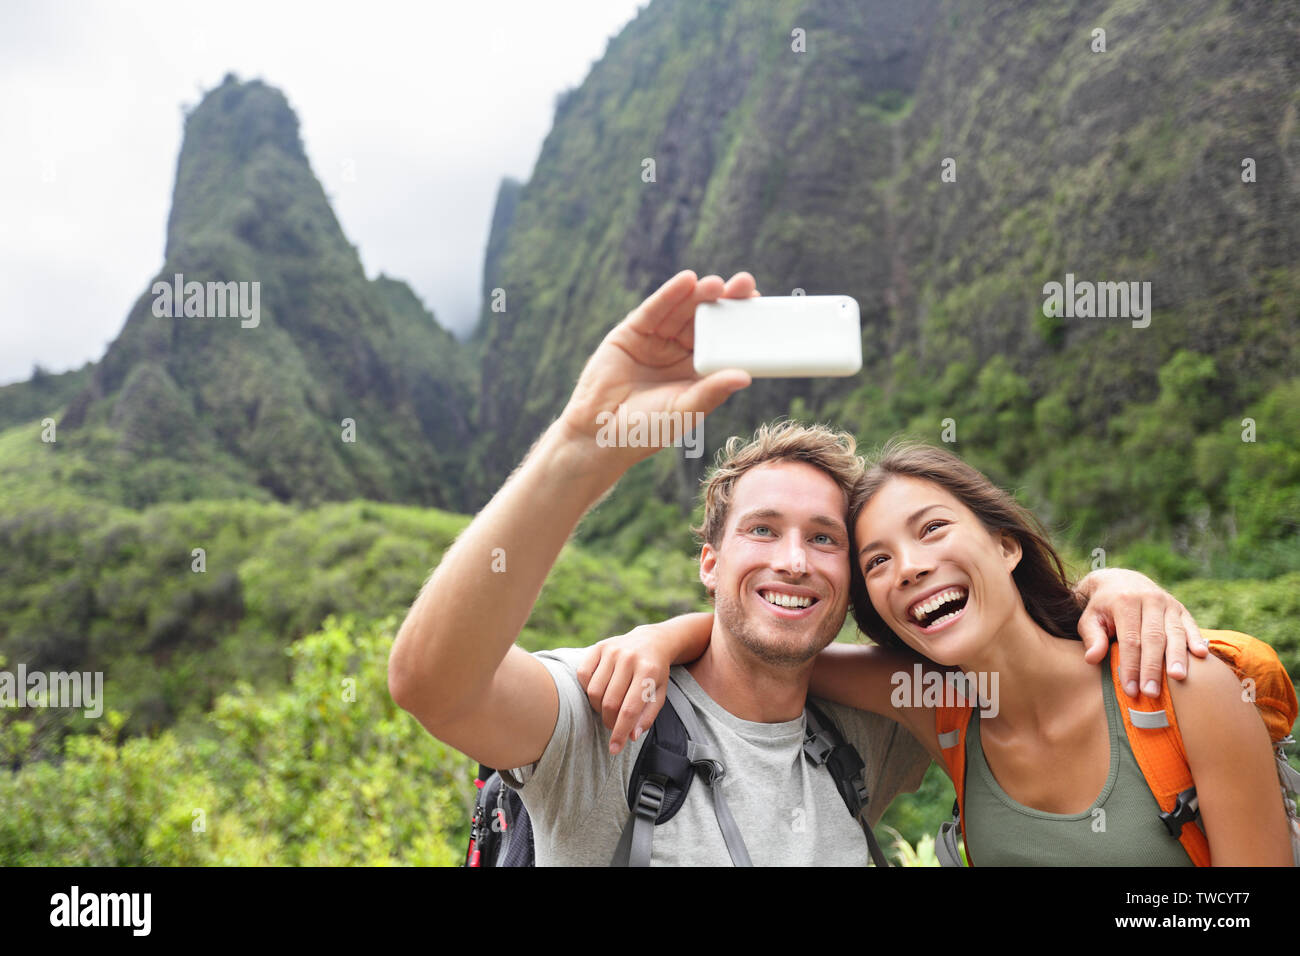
(326, 771)
(104, 588)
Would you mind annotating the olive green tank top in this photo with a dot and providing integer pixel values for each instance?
(1121, 828)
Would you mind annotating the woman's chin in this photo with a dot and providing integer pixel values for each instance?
(946, 657)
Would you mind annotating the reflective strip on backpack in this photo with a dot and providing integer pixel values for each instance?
(950, 739)
(1148, 719)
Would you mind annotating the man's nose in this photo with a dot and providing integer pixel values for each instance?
(791, 557)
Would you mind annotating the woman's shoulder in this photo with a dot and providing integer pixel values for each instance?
(1208, 678)
(1211, 701)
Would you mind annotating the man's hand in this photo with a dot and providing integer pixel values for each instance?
(646, 363)
(1150, 624)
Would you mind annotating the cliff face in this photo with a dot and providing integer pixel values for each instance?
(262, 399)
(942, 162)
(824, 170)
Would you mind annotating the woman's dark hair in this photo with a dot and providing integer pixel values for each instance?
(1039, 576)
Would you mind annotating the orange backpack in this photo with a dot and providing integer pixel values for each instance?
(1152, 730)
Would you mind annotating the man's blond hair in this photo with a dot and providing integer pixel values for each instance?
(831, 450)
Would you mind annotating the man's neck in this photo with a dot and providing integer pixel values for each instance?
(747, 687)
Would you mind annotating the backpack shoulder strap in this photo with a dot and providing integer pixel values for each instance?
(950, 723)
(824, 744)
(1152, 730)
(661, 778)
(673, 753)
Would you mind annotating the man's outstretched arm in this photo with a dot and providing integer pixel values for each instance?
(454, 665)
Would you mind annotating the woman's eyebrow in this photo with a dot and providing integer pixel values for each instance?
(910, 518)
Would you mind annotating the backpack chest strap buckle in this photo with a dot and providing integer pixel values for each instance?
(1185, 811)
(705, 763)
(817, 747)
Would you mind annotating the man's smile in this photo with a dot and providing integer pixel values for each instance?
(788, 601)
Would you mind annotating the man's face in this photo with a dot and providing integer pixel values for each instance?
(785, 544)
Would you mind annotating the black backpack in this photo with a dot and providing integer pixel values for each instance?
(671, 757)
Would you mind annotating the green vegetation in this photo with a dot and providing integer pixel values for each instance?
(41, 395)
(326, 772)
(253, 690)
(1219, 498)
(93, 587)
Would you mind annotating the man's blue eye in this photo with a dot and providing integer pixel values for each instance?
(828, 538)
(761, 527)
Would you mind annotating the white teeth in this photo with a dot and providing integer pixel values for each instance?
(785, 600)
(930, 605)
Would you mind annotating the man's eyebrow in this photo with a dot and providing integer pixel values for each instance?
(823, 520)
(910, 518)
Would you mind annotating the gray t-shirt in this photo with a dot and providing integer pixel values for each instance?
(788, 811)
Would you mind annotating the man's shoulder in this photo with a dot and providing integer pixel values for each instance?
(576, 717)
(570, 657)
(562, 663)
(563, 787)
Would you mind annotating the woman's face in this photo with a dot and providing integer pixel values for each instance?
(939, 579)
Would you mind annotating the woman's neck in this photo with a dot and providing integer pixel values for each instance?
(1036, 672)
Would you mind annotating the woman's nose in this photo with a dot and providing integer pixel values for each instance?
(911, 567)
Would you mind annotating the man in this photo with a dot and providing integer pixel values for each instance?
(455, 667)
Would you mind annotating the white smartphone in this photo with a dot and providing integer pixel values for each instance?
(793, 336)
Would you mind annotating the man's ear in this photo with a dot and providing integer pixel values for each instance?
(1011, 550)
(709, 567)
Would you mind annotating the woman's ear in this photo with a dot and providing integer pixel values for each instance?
(1011, 550)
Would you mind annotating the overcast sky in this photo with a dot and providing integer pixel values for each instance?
(411, 114)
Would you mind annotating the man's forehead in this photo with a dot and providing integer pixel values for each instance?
(786, 488)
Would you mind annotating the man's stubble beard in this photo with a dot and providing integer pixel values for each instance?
(749, 634)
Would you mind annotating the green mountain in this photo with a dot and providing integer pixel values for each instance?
(186, 406)
(824, 170)
(942, 162)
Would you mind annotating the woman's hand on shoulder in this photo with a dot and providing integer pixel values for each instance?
(1153, 629)
(626, 676)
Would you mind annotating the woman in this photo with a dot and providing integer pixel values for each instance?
(949, 566)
